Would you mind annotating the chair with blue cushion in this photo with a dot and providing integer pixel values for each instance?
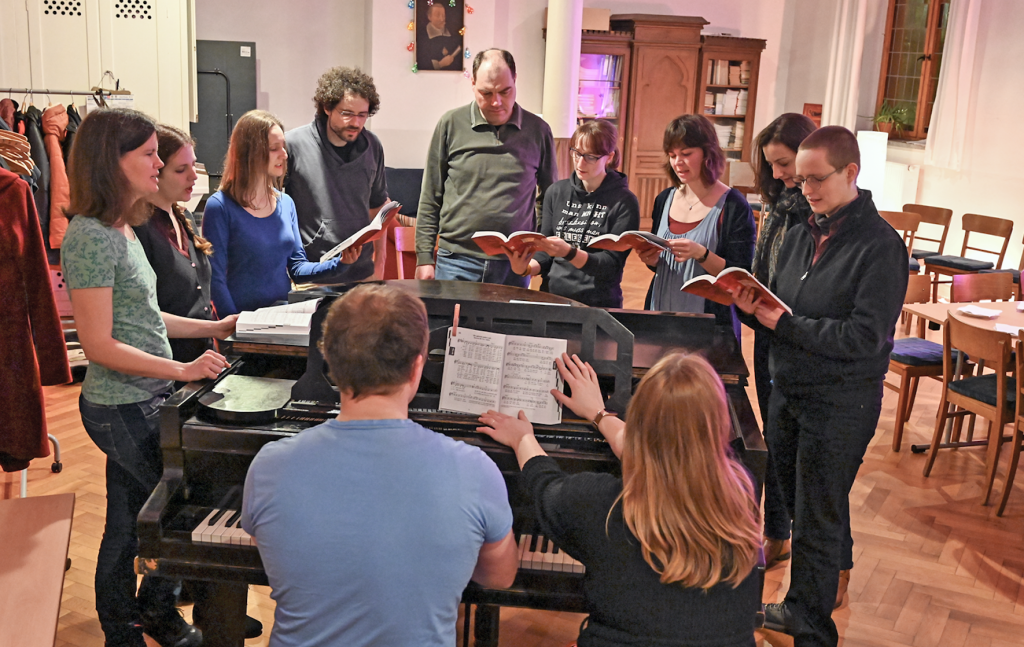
(992, 396)
(905, 223)
(1014, 273)
(912, 358)
(973, 223)
(936, 216)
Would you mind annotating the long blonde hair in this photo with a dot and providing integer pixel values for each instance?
(690, 504)
(245, 167)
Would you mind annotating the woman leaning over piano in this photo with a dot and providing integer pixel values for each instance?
(113, 169)
(669, 548)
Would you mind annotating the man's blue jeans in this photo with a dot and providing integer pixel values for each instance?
(462, 267)
(129, 435)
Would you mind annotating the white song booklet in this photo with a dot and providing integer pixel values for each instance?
(507, 373)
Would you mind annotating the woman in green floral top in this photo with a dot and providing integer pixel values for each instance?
(112, 170)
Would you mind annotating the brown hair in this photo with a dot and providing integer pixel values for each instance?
(336, 82)
(245, 167)
(600, 137)
(170, 140)
(694, 131)
(371, 338)
(688, 502)
(99, 188)
(790, 130)
(840, 146)
(493, 53)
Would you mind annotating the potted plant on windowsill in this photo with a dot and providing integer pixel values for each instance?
(891, 119)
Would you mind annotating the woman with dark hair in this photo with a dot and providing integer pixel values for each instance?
(253, 224)
(783, 206)
(708, 225)
(596, 200)
(670, 547)
(113, 170)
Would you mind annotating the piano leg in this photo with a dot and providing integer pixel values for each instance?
(485, 631)
(225, 608)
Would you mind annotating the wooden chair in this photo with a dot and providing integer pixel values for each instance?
(953, 265)
(991, 396)
(912, 358)
(931, 216)
(968, 288)
(405, 246)
(1018, 433)
(1014, 273)
(906, 224)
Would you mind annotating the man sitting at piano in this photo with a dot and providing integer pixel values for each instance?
(370, 526)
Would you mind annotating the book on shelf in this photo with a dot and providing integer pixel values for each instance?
(731, 101)
(734, 73)
(289, 323)
(506, 373)
(496, 243)
(370, 232)
(744, 72)
(633, 239)
(709, 102)
(715, 288)
(722, 72)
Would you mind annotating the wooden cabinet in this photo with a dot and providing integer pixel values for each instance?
(604, 78)
(728, 90)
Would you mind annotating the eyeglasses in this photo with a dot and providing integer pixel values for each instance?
(349, 116)
(813, 182)
(590, 159)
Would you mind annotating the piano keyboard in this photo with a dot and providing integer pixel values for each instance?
(222, 526)
(538, 553)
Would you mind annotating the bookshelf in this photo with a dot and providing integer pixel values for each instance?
(604, 78)
(727, 94)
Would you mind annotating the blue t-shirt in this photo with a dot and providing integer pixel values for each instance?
(369, 531)
(253, 257)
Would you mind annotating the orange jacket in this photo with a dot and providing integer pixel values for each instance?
(55, 127)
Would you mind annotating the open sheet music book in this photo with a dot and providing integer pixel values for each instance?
(495, 243)
(507, 373)
(277, 323)
(715, 288)
(634, 239)
(372, 231)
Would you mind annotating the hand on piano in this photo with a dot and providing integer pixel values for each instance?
(225, 327)
(586, 400)
(207, 366)
(516, 433)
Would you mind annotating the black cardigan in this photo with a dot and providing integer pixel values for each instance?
(736, 235)
(845, 305)
(627, 602)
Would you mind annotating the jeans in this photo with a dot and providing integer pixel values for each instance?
(129, 435)
(817, 442)
(776, 517)
(462, 267)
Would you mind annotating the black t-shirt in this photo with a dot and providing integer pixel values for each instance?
(628, 603)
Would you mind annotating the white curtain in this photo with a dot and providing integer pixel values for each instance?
(842, 91)
(947, 131)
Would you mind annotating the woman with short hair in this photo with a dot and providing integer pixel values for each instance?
(669, 548)
(709, 226)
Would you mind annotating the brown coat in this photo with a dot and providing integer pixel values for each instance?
(32, 350)
(55, 127)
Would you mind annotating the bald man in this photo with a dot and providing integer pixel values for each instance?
(485, 165)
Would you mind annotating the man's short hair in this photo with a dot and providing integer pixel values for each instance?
(371, 338)
(840, 145)
(438, 5)
(336, 82)
(480, 56)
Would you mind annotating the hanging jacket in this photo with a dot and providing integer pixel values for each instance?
(55, 123)
(34, 132)
(32, 349)
(7, 110)
(74, 121)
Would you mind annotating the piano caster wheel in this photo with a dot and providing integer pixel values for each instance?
(57, 467)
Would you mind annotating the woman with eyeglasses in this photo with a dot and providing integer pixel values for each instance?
(596, 200)
(253, 225)
(708, 226)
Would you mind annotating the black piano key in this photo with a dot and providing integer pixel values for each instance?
(234, 519)
(533, 543)
(545, 546)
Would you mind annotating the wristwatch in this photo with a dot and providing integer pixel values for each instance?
(601, 416)
(572, 254)
(707, 252)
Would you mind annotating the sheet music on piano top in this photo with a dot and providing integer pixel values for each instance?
(291, 320)
(506, 373)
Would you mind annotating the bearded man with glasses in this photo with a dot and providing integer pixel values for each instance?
(844, 274)
(336, 172)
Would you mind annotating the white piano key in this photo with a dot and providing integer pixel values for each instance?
(197, 532)
(547, 555)
(223, 533)
(210, 535)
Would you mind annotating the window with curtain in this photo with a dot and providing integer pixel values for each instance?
(911, 58)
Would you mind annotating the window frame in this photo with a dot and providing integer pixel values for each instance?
(922, 117)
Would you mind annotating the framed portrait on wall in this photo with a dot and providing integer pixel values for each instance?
(438, 39)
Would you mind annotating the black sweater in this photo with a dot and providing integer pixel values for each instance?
(628, 604)
(735, 244)
(578, 217)
(845, 305)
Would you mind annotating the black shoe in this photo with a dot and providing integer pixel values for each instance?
(169, 629)
(253, 627)
(777, 617)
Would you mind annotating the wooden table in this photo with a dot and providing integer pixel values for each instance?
(34, 536)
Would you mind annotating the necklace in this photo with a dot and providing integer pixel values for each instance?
(688, 203)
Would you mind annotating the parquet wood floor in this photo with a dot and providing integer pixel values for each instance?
(933, 568)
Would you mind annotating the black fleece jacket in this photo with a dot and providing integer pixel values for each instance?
(845, 305)
(577, 217)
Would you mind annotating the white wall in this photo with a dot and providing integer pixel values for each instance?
(296, 41)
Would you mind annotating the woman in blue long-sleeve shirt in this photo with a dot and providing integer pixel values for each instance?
(253, 225)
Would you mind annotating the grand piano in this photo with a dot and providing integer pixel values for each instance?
(210, 432)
